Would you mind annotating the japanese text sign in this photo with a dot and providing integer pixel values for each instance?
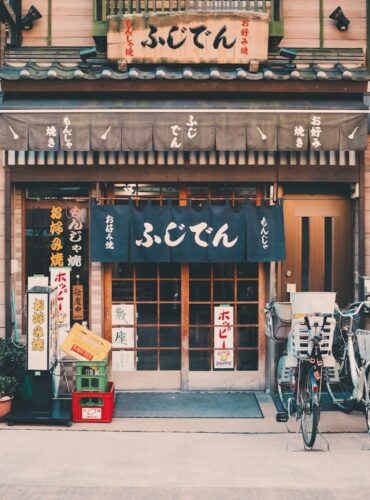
(41, 328)
(223, 337)
(60, 278)
(189, 37)
(184, 234)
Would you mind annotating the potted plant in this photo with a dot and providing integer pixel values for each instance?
(12, 367)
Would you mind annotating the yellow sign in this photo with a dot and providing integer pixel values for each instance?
(189, 37)
(84, 345)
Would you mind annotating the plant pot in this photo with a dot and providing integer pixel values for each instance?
(5, 405)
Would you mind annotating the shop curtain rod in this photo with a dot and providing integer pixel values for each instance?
(182, 110)
(185, 198)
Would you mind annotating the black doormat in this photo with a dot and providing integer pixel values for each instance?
(326, 403)
(197, 404)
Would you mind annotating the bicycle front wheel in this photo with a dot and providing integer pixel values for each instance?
(309, 410)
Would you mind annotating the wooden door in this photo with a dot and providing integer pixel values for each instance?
(319, 241)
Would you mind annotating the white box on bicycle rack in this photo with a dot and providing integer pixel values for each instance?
(312, 302)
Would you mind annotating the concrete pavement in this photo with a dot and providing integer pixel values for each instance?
(185, 459)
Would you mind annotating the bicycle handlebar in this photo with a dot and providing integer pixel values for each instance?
(356, 308)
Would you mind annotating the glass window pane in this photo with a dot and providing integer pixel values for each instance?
(247, 290)
(247, 360)
(170, 290)
(202, 270)
(170, 314)
(200, 314)
(247, 314)
(168, 270)
(223, 291)
(146, 291)
(170, 360)
(122, 291)
(221, 270)
(199, 337)
(200, 361)
(248, 337)
(148, 270)
(199, 291)
(146, 360)
(247, 270)
(170, 336)
(146, 314)
(147, 337)
(122, 270)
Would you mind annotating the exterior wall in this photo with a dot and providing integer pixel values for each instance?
(96, 298)
(71, 24)
(367, 210)
(302, 24)
(2, 249)
(17, 232)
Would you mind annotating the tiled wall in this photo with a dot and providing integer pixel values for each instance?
(2, 248)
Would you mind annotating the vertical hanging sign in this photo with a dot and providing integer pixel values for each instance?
(77, 302)
(60, 277)
(37, 331)
(223, 337)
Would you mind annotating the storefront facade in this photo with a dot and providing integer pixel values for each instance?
(194, 139)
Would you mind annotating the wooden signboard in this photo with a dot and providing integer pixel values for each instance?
(77, 302)
(189, 37)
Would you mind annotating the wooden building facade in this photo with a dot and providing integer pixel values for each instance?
(183, 104)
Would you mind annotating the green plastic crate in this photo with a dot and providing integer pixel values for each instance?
(92, 376)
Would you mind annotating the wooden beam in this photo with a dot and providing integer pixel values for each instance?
(31, 174)
(318, 174)
(179, 86)
(198, 174)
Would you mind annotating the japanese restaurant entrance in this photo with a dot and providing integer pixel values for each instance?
(186, 325)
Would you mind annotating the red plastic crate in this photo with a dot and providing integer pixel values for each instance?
(93, 406)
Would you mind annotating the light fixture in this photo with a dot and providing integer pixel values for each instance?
(87, 54)
(289, 54)
(32, 15)
(341, 21)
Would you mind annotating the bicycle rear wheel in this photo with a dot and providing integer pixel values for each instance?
(309, 409)
(283, 383)
(341, 391)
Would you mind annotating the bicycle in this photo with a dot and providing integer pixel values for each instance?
(300, 371)
(352, 354)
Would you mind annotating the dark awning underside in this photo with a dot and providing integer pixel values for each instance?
(181, 125)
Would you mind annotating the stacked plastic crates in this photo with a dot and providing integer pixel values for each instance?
(93, 399)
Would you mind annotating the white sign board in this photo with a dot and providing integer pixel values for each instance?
(37, 280)
(223, 337)
(123, 314)
(123, 336)
(60, 277)
(37, 331)
(123, 361)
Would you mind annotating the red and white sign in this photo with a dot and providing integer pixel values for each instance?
(223, 337)
(60, 278)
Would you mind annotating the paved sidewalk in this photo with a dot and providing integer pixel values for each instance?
(53, 464)
(330, 422)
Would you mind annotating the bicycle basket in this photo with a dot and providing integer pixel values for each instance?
(302, 344)
(278, 323)
(363, 342)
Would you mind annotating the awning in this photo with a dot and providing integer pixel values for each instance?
(183, 125)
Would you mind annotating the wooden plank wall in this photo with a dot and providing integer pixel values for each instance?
(367, 209)
(71, 23)
(302, 24)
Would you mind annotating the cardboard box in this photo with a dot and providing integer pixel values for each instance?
(84, 345)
